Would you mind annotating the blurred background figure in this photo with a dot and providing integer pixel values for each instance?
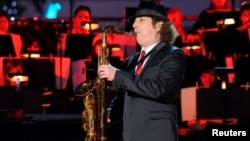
(5, 29)
(78, 45)
(193, 44)
(190, 41)
(4, 23)
(82, 16)
(12, 68)
(241, 42)
(207, 78)
(208, 17)
(244, 16)
(215, 24)
(207, 75)
(241, 34)
(175, 15)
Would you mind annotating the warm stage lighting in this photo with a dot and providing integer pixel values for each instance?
(226, 22)
(13, 77)
(30, 55)
(90, 25)
(18, 77)
(18, 80)
(229, 21)
(116, 51)
(192, 49)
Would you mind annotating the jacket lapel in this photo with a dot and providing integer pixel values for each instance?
(155, 51)
(131, 62)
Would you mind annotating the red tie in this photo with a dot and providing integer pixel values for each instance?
(139, 66)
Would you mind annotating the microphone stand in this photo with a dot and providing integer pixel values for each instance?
(60, 59)
(68, 33)
(60, 53)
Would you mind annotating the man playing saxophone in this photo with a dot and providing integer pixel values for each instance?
(149, 85)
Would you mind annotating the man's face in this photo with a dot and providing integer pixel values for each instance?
(82, 16)
(4, 24)
(245, 17)
(146, 33)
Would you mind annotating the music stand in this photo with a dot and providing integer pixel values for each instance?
(195, 66)
(223, 72)
(221, 43)
(6, 46)
(242, 70)
(214, 19)
(220, 17)
(217, 103)
(44, 77)
(239, 42)
(40, 71)
(78, 46)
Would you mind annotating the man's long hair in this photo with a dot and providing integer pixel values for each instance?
(168, 31)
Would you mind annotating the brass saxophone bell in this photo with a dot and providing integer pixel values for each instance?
(85, 88)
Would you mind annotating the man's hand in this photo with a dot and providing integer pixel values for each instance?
(106, 71)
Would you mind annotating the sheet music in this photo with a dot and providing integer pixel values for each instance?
(188, 103)
(17, 42)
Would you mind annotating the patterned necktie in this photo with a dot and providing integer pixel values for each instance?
(139, 66)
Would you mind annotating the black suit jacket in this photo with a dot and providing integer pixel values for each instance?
(149, 110)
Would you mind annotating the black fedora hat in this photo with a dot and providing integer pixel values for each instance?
(150, 8)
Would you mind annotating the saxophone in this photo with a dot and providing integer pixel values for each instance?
(94, 95)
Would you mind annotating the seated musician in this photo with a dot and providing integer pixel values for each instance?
(244, 16)
(175, 15)
(208, 78)
(242, 36)
(5, 29)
